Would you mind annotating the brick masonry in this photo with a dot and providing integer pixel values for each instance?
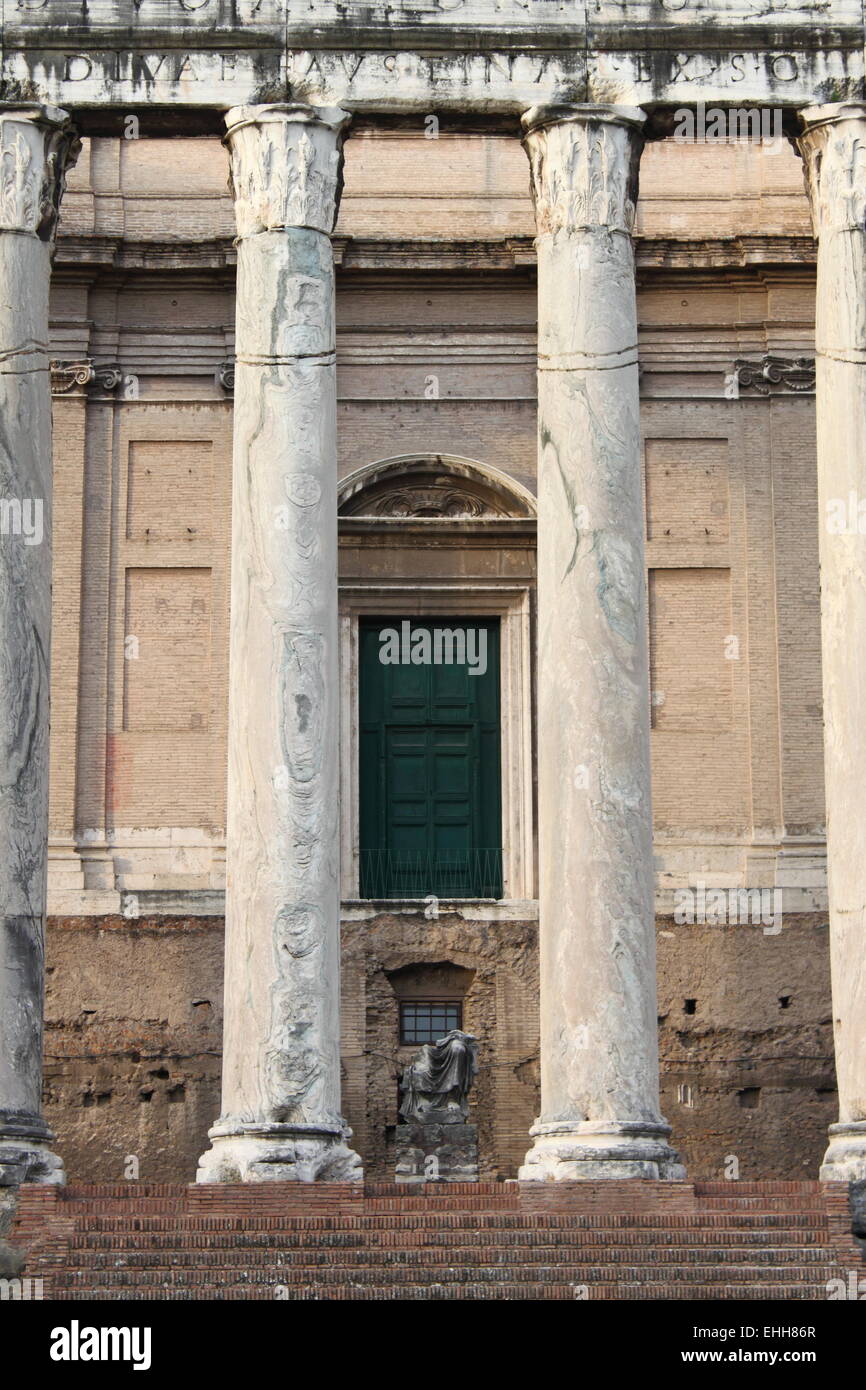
(562, 1241)
(134, 1038)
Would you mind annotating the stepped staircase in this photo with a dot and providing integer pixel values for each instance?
(621, 1240)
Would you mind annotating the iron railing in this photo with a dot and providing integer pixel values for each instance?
(393, 873)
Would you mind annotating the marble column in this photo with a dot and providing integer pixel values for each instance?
(281, 1116)
(37, 145)
(834, 152)
(599, 1050)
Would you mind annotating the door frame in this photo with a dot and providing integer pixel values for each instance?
(509, 603)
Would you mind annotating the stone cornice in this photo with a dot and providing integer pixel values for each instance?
(252, 24)
(100, 252)
(81, 255)
(474, 534)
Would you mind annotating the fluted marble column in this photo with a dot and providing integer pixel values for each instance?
(834, 151)
(37, 145)
(281, 1115)
(599, 1052)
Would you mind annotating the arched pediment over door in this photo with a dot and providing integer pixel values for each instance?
(441, 487)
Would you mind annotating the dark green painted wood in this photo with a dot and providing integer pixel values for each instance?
(430, 799)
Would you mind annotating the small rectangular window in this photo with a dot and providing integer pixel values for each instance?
(429, 1020)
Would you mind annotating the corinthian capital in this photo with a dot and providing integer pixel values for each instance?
(584, 166)
(833, 146)
(37, 146)
(286, 166)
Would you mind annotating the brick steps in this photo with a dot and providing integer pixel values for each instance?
(618, 1291)
(459, 1255)
(458, 1273)
(544, 1279)
(337, 1249)
(583, 1287)
(449, 1221)
(757, 1204)
(479, 1241)
(446, 1194)
(456, 1221)
(274, 1248)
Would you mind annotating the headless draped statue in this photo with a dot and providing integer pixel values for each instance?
(439, 1079)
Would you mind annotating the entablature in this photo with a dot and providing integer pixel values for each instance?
(180, 64)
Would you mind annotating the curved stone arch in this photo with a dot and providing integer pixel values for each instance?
(434, 486)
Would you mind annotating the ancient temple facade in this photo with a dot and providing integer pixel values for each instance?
(448, 572)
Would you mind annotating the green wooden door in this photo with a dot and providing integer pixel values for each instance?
(429, 763)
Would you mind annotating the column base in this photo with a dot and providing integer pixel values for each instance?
(845, 1159)
(278, 1153)
(25, 1155)
(591, 1150)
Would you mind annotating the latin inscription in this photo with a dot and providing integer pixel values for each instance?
(665, 69)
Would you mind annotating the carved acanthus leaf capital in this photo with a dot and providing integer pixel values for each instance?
(584, 163)
(833, 146)
(286, 166)
(38, 144)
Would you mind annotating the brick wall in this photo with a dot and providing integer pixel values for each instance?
(134, 1037)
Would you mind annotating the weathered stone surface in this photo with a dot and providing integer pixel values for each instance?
(433, 1152)
(857, 1198)
(36, 145)
(599, 1060)
(281, 1114)
(834, 151)
(479, 55)
(11, 1256)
